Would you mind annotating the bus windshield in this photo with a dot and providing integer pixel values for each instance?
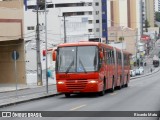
(77, 59)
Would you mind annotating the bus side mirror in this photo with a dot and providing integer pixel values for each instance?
(101, 55)
(54, 55)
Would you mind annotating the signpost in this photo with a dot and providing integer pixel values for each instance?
(15, 56)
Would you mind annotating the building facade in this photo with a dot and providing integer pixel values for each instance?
(128, 42)
(11, 39)
(150, 12)
(81, 20)
(127, 13)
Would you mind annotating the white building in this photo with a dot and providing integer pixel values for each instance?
(83, 20)
(157, 5)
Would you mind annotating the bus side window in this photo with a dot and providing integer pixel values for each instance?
(108, 57)
(119, 58)
(111, 56)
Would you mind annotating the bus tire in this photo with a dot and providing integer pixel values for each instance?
(113, 85)
(67, 95)
(126, 85)
(101, 93)
(120, 85)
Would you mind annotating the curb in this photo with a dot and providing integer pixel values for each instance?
(146, 74)
(31, 99)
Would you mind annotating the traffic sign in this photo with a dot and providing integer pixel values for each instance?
(15, 55)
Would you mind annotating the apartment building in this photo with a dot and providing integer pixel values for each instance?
(150, 12)
(83, 19)
(127, 13)
(128, 42)
(157, 5)
(11, 39)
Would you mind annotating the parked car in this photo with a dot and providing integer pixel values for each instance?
(132, 73)
(141, 70)
(137, 71)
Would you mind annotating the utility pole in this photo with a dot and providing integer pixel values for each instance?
(39, 66)
(65, 37)
(46, 47)
(136, 46)
(64, 27)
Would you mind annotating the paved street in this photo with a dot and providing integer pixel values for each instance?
(141, 95)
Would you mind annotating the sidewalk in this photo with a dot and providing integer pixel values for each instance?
(9, 95)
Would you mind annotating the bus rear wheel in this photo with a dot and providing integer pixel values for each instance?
(120, 85)
(67, 95)
(101, 93)
(113, 87)
(126, 85)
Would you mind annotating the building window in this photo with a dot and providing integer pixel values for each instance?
(97, 29)
(103, 21)
(90, 12)
(90, 21)
(30, 28)
(103, 4)
(97, 3)
(31, 7)
(97, 12)
(103, 12)
(97, 21)
(50, 6)
(90, 30)
(89, 4)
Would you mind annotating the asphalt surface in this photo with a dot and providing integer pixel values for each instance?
(141, 95)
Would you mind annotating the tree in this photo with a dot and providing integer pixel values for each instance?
(121, 39)
(147, 25)
(155, 25)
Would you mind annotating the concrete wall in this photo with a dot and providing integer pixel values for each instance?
(129, 35)
(11, 38)
(7, 70)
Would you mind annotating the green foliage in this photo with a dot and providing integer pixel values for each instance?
(121, 39)
(155, 25)
(147, 25)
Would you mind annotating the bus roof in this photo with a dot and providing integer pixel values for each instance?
(83, 43)
(88, 43)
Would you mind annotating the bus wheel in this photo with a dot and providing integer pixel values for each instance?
(113, 87)
(126, 85)
(67, 95)
(120, 85)
(101, 93)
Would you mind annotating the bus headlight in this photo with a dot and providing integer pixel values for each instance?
(93, 81)
(60, 82)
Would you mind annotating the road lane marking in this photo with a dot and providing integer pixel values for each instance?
(114, 93)
(77, 107)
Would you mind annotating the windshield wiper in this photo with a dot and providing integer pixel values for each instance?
(82, 66)
(69, 67)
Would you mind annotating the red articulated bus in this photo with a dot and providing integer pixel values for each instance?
(87, 67)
